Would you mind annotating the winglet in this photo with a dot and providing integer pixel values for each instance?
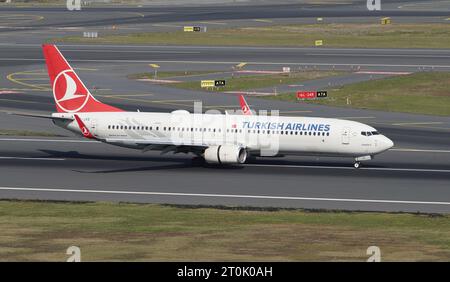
(244, 106)
(84, 130)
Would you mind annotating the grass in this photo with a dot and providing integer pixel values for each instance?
(13, 132)
(260, 81)
(421, 93)
(105, 231)
(168, 74)
(424, 35)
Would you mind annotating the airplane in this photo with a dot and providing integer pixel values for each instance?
(220, 139)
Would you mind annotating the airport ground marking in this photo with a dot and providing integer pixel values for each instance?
(25, 102)
(419, 150)
(205, 195)
(235, 62)
(262, 20)
(48, 140)
(31, 159)
(217, 23)
(351, 168)
(166, 25)
(418, 123)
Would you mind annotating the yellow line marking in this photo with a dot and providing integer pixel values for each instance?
(152, 101)
(23, 89)
(287, 112)
(356, 117)
(10, 78)
(263, 21)
(222, 107)
(127, 95)
(86, 69)
(219, 23)
(165, 25)
(21, 79)
(22, 101)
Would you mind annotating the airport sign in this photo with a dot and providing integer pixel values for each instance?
(207, 83)
(301, 95)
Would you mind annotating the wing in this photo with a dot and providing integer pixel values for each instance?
(164, 145)
(39, 116)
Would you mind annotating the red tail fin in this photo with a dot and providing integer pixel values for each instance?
(84, 130)
(69, 92)
(244, 106)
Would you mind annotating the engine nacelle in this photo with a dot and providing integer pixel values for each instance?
(225, 154)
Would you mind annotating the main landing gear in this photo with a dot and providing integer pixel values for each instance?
(357, 164)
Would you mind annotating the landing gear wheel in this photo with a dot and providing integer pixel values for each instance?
(357, 164)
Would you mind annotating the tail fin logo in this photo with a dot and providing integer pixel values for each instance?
(69, 93)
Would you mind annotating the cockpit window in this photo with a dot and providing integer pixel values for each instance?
(369, 133)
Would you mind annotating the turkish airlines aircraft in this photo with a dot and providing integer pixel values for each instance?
(218, 138)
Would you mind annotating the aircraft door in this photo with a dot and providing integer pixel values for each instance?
(345, 135)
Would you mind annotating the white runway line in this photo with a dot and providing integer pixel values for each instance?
(234, 62)
(376, 201)
(33, 159)
(48, 140)
(352, 168)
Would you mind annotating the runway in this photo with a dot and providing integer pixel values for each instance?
(413, 176)
(79, 170)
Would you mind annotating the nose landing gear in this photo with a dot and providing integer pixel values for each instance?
(357, 163)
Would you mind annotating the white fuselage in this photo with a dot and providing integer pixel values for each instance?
(261, 135)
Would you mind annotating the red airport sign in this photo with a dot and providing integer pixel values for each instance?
(311, 94)
(306, 94)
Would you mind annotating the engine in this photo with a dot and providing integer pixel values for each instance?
(225, 154)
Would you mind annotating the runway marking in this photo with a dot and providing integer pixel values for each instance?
(219, 23)
(419, 150)
(299, 111)
(262, 20)
(165, 102)
(166, 25)
(135, 51)
(11, 78)
(26, 102)
(356, 117)
(377, 55)
(417, 123)
(126, 95)
(48, 140)
(383, 72)
(203, 195)
(352, 168)
(233, 63)
(32, 159)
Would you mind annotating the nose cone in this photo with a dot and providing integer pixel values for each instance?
(386, 143)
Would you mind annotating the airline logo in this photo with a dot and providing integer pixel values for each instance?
(84, 130)
(244, 106)
(286, 126)
(69, 93)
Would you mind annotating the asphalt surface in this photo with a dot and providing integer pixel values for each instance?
(413, 176)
